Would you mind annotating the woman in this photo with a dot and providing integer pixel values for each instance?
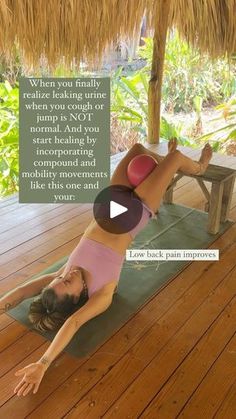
(81, 276)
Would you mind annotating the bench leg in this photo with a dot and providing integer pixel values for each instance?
(227, 198)
(215, 208)
(168, 197)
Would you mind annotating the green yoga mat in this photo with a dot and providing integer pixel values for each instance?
(176, 227)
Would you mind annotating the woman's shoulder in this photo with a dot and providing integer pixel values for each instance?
(108, 288)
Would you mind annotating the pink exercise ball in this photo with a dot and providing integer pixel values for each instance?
(139, 168)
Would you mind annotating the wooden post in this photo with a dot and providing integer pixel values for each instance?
(155, 83)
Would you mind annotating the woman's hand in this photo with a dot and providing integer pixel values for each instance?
(33, 375)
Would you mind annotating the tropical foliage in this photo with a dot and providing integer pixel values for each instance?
(188, 74)
(191, 81)
(225, 136)
(9, 138)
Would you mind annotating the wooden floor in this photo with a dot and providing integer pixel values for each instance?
(175, 358)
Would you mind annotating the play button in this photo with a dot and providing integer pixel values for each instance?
(117, 209)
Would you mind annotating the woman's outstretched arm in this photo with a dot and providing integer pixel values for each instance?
(96, 305)
(10, 300)
(33, 373)
(26, 290)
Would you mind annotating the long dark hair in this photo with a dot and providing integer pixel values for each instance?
(48, 312)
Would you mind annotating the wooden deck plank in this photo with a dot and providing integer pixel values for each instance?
(63, 367)
(227, 408)
(77, 382)
(5, 320)
(18, 229)
(212, 390)
(20, 234)
(8, 200)
(164, 345)
(51, 220)
(183, 198)
(19, 215)
(43, 244)
(17, 276)
(19, 350)
(142, 322)
(10, 255)
(11, 280)
(10, 207)
(141, 392)
(37, 214)
(109, 354)
(11, 333)
(177, 391)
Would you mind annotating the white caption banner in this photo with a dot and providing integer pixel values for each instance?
(172, 254)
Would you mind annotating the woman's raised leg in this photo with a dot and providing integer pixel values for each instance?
(120, 174)
(153, 188)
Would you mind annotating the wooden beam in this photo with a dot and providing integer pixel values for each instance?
(155, 82)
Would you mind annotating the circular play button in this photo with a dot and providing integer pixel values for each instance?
(117, 209)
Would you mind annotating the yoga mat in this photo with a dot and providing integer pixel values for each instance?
(176, 227)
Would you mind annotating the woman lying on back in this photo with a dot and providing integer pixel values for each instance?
(92, 271)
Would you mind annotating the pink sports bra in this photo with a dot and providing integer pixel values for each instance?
(103, 263)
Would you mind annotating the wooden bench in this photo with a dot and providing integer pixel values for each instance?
(218, 199)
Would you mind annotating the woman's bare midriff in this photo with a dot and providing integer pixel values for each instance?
(117, 242)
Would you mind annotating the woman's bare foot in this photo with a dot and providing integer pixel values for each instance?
(206, 156)
(172, 145)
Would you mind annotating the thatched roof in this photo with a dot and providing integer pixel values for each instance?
(208, 24)
(84, 28)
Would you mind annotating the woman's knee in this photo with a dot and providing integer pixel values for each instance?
(176, 154)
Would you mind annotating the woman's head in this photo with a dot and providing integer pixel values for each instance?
(57, 301)
(70, 284)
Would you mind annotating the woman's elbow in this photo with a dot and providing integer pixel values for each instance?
(79, 319)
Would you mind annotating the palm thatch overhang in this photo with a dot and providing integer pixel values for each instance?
(83, 30)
